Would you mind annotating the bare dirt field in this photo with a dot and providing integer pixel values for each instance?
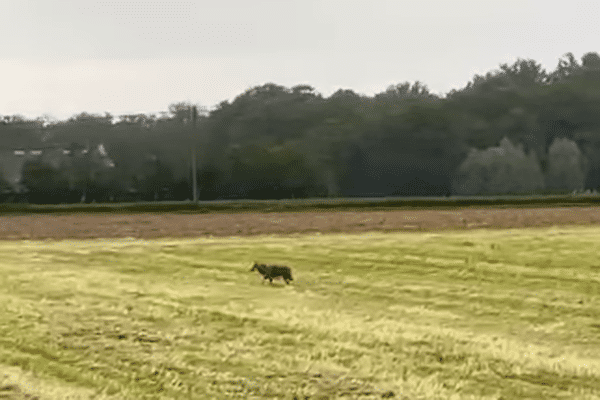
(153, 225)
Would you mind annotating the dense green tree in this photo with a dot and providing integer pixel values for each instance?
(17, 132)
(45, 183)
(276, 172)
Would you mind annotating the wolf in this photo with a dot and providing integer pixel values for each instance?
(273, 271)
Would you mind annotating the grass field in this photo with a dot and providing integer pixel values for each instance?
(311, 204)
(481, 314)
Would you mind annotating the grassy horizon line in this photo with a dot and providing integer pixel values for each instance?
(316, 204)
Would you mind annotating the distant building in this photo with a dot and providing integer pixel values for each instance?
(55, 155)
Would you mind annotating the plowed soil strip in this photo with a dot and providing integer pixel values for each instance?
(154, 225)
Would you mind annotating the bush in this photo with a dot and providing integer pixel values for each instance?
(566, 166)
(499, 170)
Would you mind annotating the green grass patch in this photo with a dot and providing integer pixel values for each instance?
(481, 314)
(313, 204)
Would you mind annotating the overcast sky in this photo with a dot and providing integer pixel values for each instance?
(62, 57)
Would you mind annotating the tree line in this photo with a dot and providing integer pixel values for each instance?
(517, 129)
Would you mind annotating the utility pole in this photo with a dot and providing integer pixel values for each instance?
(194, 173)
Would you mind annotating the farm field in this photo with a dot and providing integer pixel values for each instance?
(460, 314)
(69, 225)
